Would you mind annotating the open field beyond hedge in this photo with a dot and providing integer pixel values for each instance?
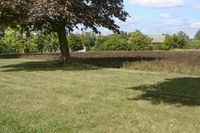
(44, 96)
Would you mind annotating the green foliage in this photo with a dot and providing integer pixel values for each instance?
(179, 41)
(155, 46)
(47, 42)
(139, 41)
(74, 42)
(176, 41)
(168, 43)
(197, 35)
(195, 44)
(88, 40)
(15, 42)
(99, 43)
(184, 35)
(114, 42)
(2, 31)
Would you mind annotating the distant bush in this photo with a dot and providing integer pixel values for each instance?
(197, 35)
(74, 42)
(139, 41)
(88, 40)
(99, 43)
(179, 41)
(46, 42)
(115, 42)
(14, 41)
(175, 41)
(195, 44)
(155, 46)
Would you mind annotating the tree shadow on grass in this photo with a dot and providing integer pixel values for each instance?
(180, 91)
(91, 63)
(46, 66)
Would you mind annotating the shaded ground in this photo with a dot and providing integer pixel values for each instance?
(46, 66)
(182, 91)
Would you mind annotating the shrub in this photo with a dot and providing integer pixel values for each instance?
(99, 43)
(195, 44)
(176, 41)
(115, 42)
(197, 35)
(168, 43)
(88, 40)
(15, 42)
(139, 41)
(155, 46)
(179, 41)
(74, 42)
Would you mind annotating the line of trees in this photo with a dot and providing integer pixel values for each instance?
(181, 41)
(14, 41)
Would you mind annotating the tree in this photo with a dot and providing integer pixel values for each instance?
(179, 41)
(46, 42)
(139, 41)
(115, 42)
(194, 44)
(15, 42)
(88, 39)
(197, 35)
(2, 31)
(62, 16)
(75, 42)
(99, 43)
(168, 43)
(184, 35)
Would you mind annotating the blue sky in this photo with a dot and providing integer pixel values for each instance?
(154, 17)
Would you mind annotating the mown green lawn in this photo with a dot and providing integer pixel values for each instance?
(45, 97)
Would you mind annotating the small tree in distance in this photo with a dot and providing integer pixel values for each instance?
(197, 35)
(62, 16)
(168, 43)
(74, 42)
(139, 41)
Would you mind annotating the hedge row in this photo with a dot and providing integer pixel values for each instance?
(116, 59)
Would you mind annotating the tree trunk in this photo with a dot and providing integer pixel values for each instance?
(64, 48)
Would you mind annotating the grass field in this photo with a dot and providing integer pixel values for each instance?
(46, 97)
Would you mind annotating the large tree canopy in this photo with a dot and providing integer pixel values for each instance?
(62, 15)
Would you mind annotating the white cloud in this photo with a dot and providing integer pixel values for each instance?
(128, 20)
(157, 3)
(195, 25)
(167, 16)
(170, 26)
(128, 25)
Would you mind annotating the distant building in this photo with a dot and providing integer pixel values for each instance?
(157, 39)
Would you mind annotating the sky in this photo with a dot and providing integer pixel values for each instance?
(155, 17)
